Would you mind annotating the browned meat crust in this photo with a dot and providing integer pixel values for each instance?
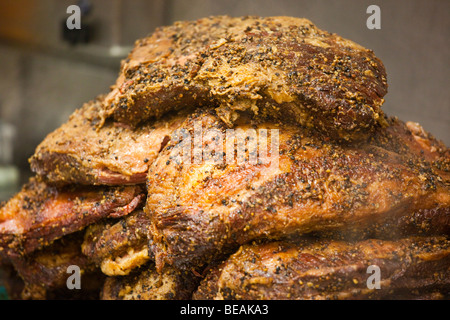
(39, 214)
(277, 67)
(112, 238)
(119, 246)
(382, 188)
(148, 284)
(45, 270)
(344, 173)
(329, 269)
(80, 152)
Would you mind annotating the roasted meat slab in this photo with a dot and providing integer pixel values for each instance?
(384, 186)
(44, 272)
(249, 154)
(82, 152)
(48, 267)
(39, 214)
(119, 246)
(278, 67)
(329, 269)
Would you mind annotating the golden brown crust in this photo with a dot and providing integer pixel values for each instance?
(147, 284)
(81, 152)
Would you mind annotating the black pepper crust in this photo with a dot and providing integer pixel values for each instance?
(278, 67)
(79, 152)
(40, 214)
(387, 188)
(411, 268)
(45, 271)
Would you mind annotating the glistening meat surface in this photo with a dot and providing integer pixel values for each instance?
(409, 268)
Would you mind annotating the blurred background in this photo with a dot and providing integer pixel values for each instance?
(47, 72)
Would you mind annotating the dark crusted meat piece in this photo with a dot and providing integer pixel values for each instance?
(46, 270)
(277, 66)
(11, 281)
(390, 186)
(39, 214)
(81, 152)
(148, 284)
(328, 269)
(119, 246)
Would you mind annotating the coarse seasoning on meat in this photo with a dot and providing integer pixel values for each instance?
(45, 271)
(40, 214)
(277, 66)
(81, 152)
(234, 158)
(412, 268)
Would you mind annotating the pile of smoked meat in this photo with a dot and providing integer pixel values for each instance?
(353, 190)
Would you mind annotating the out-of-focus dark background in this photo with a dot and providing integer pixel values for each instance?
(45, 78)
